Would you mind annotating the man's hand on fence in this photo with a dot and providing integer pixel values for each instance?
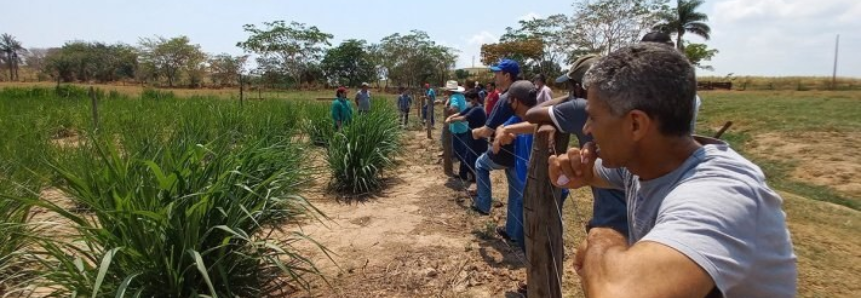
(503, 137)
(573, 169)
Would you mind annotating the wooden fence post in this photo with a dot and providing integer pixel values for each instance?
(446, 147)
(95, 105)
(429, 111)
(542, 205)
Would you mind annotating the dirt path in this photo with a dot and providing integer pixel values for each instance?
(416, 239)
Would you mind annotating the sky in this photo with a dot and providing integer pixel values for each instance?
(754, 37)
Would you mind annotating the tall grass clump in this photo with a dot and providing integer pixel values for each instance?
(16, 235)
(182, 222)
(362, 150)
(318, 124)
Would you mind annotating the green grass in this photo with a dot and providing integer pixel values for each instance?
(793, 113)
(359, 154)
(179, 196)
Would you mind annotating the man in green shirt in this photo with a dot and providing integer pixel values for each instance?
(342, 112)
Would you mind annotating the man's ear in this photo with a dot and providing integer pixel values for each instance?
(641, 123)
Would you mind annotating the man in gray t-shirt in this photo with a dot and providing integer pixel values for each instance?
(363, 99)
(702, 220)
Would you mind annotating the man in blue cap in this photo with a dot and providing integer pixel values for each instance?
(505, 73)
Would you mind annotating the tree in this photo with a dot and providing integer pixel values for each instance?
(685, 18)
(12, 50)
(550, 31)
(86, 61)
(412, 59)
(224, 69)
(171, 58)
(286, 49)
(461, 74)
(697, 53)
(603, 26)
(349, 64)
(520, 50)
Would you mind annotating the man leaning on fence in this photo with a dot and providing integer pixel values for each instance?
(703, 221)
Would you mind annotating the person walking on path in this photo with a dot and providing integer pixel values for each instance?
(404, 104)
(342, 111)
(363, 99)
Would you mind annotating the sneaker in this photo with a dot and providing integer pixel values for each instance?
(474, 208)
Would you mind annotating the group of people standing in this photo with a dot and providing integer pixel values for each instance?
(674, 215)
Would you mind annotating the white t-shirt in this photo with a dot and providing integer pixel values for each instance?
(545, 94)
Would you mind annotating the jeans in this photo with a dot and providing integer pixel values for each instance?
(461, 144)
(425, 114)
(514, 216)
(405, 117)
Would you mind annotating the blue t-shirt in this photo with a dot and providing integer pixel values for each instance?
(431, 95)
(458, 102)
(522, 150)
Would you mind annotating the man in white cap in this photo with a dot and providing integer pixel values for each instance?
(363, 99)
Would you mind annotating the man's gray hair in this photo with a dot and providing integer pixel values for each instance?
(649, 77)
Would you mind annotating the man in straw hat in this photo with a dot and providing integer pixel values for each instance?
(459, 129)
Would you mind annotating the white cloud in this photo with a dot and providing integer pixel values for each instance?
(529, 16)
(784, 37)
(481, 38)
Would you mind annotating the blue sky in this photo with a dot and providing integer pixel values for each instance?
(755, 37)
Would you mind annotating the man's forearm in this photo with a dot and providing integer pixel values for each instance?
(520, 128)
(604, 256)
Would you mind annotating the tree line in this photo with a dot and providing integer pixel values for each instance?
(292, 54)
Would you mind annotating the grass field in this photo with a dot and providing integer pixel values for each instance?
(807, 142)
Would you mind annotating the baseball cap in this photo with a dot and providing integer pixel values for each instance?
(578, 69)
(506, 65)
(342, 89)
(523, 90)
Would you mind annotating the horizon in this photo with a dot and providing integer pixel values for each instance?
(769, 26)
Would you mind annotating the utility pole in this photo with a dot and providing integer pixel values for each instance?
(834, 74)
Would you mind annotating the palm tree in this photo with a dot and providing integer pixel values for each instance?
(11, 48)
(685, 18)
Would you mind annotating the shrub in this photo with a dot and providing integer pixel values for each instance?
(182, 223)
(362, 150)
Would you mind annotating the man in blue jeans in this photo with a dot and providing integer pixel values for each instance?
(569, 116)
(505, 74)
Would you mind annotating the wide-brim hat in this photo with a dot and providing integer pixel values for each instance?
(453, 87)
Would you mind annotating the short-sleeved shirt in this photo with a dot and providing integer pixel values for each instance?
(609, 204)
(545, 94)
(475, 118)
(404, 102)
(491, 100)
(717, 210)
(364, 99)
(458, 102)
(431, 95)
(501, 113)
(341, 110)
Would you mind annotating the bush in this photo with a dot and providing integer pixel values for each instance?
(182, 223)
(362, 150)
(318, 123)
(151, 93)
